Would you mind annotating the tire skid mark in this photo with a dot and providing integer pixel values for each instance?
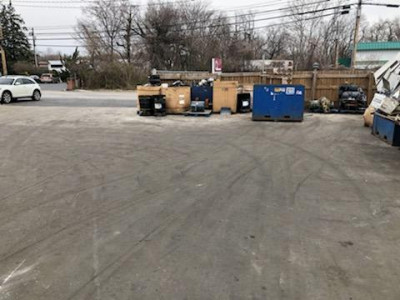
(157, 230)
(84, 220)
(124, 257)
(107, 211)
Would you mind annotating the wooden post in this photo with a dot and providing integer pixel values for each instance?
(3, 54)
(314, 84)
(371, 83)
(3, 61)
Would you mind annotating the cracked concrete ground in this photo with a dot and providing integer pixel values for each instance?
(97, 203)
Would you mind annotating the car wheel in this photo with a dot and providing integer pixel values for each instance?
(6, 98)
(36, 95)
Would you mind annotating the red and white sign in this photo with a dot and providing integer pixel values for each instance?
(216, 65)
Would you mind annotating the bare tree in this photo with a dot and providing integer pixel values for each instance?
(383, 30)
(102, 25)
(305, 34)
(188, 35)
(275, 42)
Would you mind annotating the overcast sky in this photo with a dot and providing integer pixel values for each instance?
(37, 14)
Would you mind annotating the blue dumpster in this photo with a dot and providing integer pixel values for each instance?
(202, 93)
(278, 103)
(386, 129)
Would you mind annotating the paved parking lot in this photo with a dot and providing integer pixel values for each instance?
(97, 203)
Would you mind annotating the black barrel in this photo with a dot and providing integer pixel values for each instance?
(146, 105)
(160, 108)
(244, 102)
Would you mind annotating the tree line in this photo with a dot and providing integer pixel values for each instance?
(187, 35)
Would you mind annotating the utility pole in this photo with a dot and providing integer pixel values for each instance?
(3, 55)
(337, 45)
(129, 34)
(34, 46)
(357, 29)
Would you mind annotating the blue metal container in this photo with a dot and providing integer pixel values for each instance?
(202, 93)
(386, 129)
(278, 103)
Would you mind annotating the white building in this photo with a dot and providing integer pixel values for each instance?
(374, 55)
(272, 66)
(56, 65)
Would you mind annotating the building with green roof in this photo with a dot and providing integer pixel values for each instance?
(372, 55)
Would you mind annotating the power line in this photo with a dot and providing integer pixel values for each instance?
(47, 28)
(64, 4)
(256, 28)
(390, 5)
(61, 46)
(41, 28)
(225, 24)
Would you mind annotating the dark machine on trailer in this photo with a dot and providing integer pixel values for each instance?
(352, 99)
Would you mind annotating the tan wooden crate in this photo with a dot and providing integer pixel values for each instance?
(225, 95)
(177, 99)
(148, 90)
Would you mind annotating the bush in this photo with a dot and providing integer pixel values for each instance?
(23, 68)
(112, 76)
(27, 68)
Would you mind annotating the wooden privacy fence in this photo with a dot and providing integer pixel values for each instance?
(317, 83)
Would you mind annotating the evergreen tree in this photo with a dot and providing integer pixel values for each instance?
(15, 41)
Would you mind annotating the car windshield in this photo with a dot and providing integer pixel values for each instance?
(6, 81)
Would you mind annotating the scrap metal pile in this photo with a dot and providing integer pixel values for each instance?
(280, 102)
(383, 115)
(199, 99)
(352, 99)
(387, 100)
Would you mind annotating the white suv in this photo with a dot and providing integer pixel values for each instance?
(15, 87)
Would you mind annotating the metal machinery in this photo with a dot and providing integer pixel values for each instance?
(352, 99)
(203, 93)
(197, 106)
(386, 104)
(387, 78)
